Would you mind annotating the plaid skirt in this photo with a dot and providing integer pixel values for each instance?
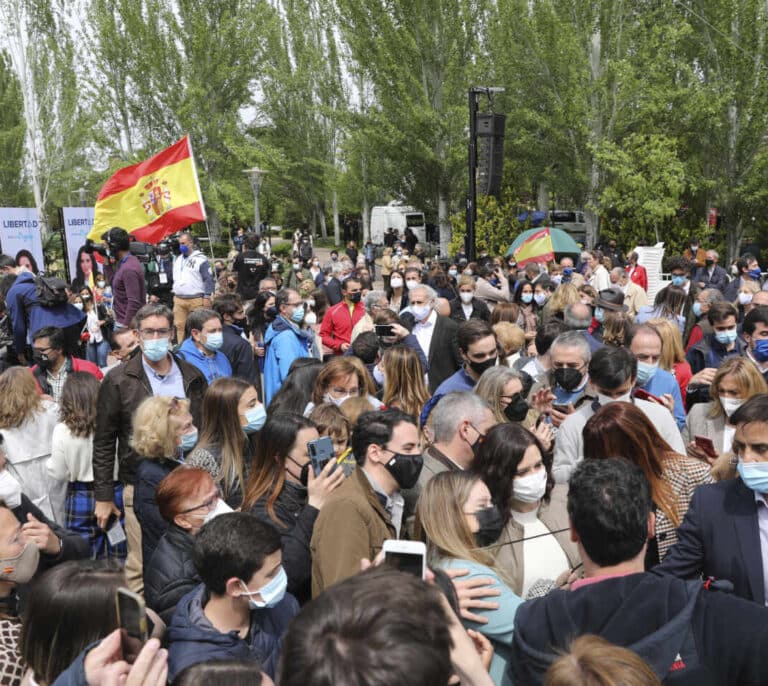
(81, 519)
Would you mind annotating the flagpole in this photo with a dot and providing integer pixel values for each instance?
(208, 231)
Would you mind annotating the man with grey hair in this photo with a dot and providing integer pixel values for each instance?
(332, 285)
(569, 273)
(569, 382)
(578, 317)
(374, 302)
(459, 421)
(704, 300)
(711, 275)
(634, 296)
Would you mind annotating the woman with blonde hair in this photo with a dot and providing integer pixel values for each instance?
(511, 338)
(735, 382)
(163, 432)
(565, 294)
(386, 267)
(402, 376)
(458, 520)
(672, 353)
(27, 422)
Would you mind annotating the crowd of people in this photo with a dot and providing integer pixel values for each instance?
(587, 469)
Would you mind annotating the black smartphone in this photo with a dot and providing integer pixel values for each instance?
(132, 619)
(320, 453)
(560, 408)
(384, 330)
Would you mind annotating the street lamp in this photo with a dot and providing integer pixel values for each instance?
(81, 195)
(256, 177)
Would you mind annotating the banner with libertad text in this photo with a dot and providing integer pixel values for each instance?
(20, 236)
(77, 223)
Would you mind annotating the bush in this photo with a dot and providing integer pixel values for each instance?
(221, 250)
(287, 234)
(281, 250)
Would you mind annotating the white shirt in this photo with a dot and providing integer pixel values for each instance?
(467, 310)
(93, 326)
(600, 279)
(424, 332)
(71, 456)
(543, 558)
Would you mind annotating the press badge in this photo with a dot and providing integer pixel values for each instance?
(116, 534)
(163, 278)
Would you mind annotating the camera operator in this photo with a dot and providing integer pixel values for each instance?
(126, 275)
(193, 283)
(160, 278)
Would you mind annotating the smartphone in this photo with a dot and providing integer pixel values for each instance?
(706, 444)
(560, 408)
(320, 453)
(132, 619)
(384, 330)
(645, 395)
(406, 556)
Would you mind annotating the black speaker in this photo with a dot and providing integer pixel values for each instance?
(490, 153)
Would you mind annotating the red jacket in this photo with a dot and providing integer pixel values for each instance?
(338, 324)
(74, 364)
(639, 276)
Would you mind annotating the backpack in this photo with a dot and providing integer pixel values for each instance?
(51, 291)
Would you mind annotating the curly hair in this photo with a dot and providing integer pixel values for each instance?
(155, 424)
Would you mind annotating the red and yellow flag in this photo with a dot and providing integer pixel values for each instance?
(536, 248)
(151, 199)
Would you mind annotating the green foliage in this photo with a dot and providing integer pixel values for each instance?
(12, 130)
(281, 250)
(495, 228)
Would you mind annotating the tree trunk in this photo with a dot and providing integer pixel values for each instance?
(313, 224)
(543, 199)
(321, 216)
(366, 219)
(336, 227)
(444, 222)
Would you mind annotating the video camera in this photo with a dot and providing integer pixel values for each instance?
(144, 252)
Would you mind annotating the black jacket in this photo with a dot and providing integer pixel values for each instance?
(479, 310)
(443, 355)
(718, 279)
(686, 634)
(121, 392)
(298, 520)
(149, 474)
(239, 353)
(170, 574)
(333, 292)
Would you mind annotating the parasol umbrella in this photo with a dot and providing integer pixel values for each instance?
(542, 245)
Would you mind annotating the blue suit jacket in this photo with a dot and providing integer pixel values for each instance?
(720, 537)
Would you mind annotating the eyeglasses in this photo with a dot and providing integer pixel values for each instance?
(293, 304)
(146, 334)
(345, 391)
(208, 504)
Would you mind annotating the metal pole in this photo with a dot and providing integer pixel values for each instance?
(256, 214)
(472, 194)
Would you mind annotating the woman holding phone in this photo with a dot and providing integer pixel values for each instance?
(284, 490)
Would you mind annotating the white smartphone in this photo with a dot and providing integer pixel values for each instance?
(407, 556)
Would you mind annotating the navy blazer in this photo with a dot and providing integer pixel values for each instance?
(720, 537)
(718, 280)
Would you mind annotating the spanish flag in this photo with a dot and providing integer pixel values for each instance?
(151, 199)
(536, 248)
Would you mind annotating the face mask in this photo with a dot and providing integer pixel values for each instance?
(607, 400)
(296, 267)
(255, 417)
(378, 376)
(754, 475)
(730, 405)
(599, 314)
(271, 594)
(41, 360)
(420, 312)
(531, 488)
(396, 283)
(298, 315)
(517, 409)
(101, 284)
(270, 313)
(760, 351)
(304, 473)
(567, 271)
(709, 263)
(694, 248)
(405, 469)
(22, 568)
(745, 298)
(79, 306)
(310, 318)
(526, 298)
(189, 441)
(466, 298)
(355, 297)
(557, 279)
(184, 250)
(491, 524)
(214, 341)
(567, 378)
(155, 349)
(328, 398)
(540, 298)
(479, 367)
(678, 280)
(696, 309)
(310, 302)
(726, 337)
(755, 273)
(10, 490)
(220, 509)
(453, 272)
(645, 372)
(411, 283)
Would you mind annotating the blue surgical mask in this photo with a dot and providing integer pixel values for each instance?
(755, 273)
(726, 337)
(271, 594)
(156, 349)
(526, 297)
(760, 351)
(189, 441)
(696, 309)
(453, 272)
(599, 314)
(298, 315)
(540, 298)
(567, 271)
(255, 417)
(678, 280)
(184, 250)
(754, 475)
(214, 341)
(645, 372)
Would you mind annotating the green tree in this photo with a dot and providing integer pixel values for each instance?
(12, 190)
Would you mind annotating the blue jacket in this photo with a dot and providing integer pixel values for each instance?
(663, 382)
(27, 315)
(211, 367)
(149, 474)
(285, 342)
(239, 353)
(193, 639)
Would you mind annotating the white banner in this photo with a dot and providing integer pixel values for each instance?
(77, 223)
(20, 230)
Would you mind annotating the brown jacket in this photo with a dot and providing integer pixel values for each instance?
(352, 525)
(554, 516)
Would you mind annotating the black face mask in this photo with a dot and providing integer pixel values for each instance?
(479, 367)
(405, 469)
(270, 313)
(304, 473)
(517, 409)
(709, 263)
(42, 360)
(491, 524)
(355, 297)
(568, 378)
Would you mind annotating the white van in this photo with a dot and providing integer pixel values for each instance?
(396, 216)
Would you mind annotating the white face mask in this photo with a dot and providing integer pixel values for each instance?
(466, 298)
(730, 405)
(411, 283)
(420, 312)
(310, 318)
(605, 400)
(396, 282)
(328, 398)
(378, 376)
(220, 509)
(530, 488)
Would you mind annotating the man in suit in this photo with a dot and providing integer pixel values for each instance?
(725, 531)
(711, 275)
(436, 335)
(749, 270)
